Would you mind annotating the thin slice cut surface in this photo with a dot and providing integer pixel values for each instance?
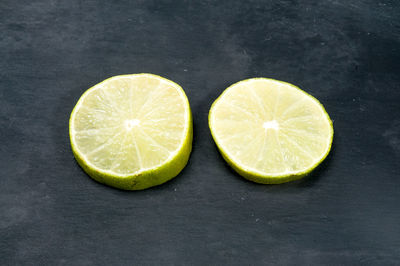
(132, 131)
(270, 131)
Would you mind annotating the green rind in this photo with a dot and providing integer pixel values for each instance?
(148, 178)
(268, 179)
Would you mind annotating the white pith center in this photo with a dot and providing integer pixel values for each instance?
(130, 123)
(271, 125)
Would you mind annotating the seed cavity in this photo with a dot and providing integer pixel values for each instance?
(271, 125)
(131, 123)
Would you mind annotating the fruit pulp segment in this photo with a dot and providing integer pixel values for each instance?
(130, 124)
(271, 127)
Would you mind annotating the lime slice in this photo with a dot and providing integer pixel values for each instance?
(132, 131)
(270, 131)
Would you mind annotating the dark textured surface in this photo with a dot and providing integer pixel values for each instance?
(345, 53)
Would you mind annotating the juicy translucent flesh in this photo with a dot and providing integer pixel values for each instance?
(130, 123)
(271, 127)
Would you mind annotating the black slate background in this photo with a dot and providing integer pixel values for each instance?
(345, 53)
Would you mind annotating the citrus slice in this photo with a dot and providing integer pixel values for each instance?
(132, 131)
(270, 131)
